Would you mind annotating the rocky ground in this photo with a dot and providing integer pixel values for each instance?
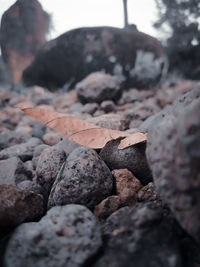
(62, 204)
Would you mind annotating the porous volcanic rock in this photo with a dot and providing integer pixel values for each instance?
(98, 87)
(132, 158)
(173, 152)
(127, 186)
(140, 235)
(66, 236)
(18, 206)
(49, 164)
(132, 56)
(85, 180)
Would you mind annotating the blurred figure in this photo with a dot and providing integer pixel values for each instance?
(23, 31)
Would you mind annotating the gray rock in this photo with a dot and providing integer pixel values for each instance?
(107, 106)
(23, 151)
(111, 121)
(13, 171)
(67, 145)
(11, 138)
(152, 121)
(140, 111)
(148, 193)
(98, 87)
(76, 107)
(90, 108)
(38, 130)
(173, 152)
(36, 154)
(85, 180)
(18, 206)
(132, 158)
(66, 236)
(31, 186)
(140, 236)
(134, 95)
(134, 57)
(29, 169)
(49, 164)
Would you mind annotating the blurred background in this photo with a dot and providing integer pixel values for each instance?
(27, 25)
(70, 14)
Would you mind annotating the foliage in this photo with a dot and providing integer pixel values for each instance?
(182, 16)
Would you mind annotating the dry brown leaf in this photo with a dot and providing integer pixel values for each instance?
(66, 124)
(132, 139)
(97, 137)
(84, 133)
(43, 114)
(59, 121)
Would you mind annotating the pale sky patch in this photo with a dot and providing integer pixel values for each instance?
(70, 14)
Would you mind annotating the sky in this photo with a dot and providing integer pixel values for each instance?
(70, 14)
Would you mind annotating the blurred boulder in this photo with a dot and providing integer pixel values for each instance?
(134, 57)
(23, 29)
(98, 87)
(140, 236)
(4, 76)
(173, 153)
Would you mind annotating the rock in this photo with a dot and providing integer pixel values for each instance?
(141, 235)
(66, 236)
(67, 145)
(48, 167)
(75, 108)
(169, 92)
(63, 101)
(13, 171)
(173, 155)
(4, 76)
(24, 151)
(90, 108)
(148, 193)
(140, 111)
(134, 95)
(11, 138)
(18, 206)
(85, 180)
(28, 21)
(36, 154)
(111, 121)
(107, 106)
(106, 207)
(151, 121)
(38, 130)
(94, 49)
(31, 186)
(132, 158)
(51, 139)
(29, 169)
(127, 186)
(98, 87)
